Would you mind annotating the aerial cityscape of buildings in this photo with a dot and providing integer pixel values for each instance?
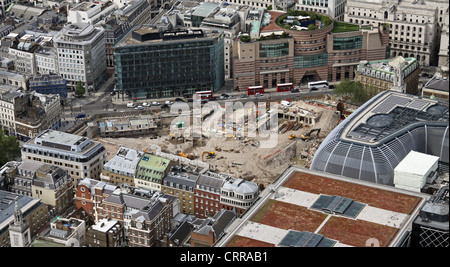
(240, 123)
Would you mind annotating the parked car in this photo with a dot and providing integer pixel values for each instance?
(164, 106)
(244, 96)
(155, 103)
(131, 105)
(145, 104)
(168, 103)
(139, 107)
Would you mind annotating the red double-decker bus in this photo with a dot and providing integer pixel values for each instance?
(251, 90)
(204, 94)
(282, 87)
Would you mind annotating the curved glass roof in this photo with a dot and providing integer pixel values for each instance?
(372, 141)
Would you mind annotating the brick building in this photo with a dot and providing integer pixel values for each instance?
(282, 54)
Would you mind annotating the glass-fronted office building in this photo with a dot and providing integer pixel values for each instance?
(153, 64)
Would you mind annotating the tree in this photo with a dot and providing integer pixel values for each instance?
(80, 90)
(356, 91)
(9, 147)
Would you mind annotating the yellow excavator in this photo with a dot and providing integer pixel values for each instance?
(189, 156)
(308, 135)
(210, 154)
(292, 136)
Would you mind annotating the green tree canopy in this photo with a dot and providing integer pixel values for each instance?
(9, 148)
(356, 91)
(80, 90)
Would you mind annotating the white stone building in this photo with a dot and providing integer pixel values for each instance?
(414, 25)
(333, 8)
(81, 54)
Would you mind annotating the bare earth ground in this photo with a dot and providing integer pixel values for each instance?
(240, 158)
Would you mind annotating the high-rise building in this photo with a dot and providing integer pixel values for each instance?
(81, 54)
(154, 64)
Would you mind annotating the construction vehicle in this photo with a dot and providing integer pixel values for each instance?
(189, 156)
(292, 136)
(308, 135)
(210, 154)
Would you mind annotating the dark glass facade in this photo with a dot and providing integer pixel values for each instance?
(347, 43)
(274, 50)
(170, 68)
(308, 61)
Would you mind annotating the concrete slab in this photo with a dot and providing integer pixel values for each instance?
(384, 217)
(292, 196)
(261, 232)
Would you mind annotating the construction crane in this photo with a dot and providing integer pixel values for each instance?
(210, 154)
(308, 135)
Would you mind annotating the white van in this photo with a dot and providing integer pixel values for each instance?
(285, 103)
(131, 105)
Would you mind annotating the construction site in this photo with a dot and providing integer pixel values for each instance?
(231, 142)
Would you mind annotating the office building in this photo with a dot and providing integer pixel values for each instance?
(333, 8)
(207, 195)
(49, 183)
(181, 183)
(376, 137)
(79, 156)
(49, 84)
(437, 87)
(81, 55)
(105, 233)
(34, 212)
(306, 208)
(150, 171)
(413, 25)
(153, 64)
(238, 195)
(397, 74)
(122, 167)
(280, 52)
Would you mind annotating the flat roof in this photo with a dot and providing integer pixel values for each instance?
(384, 215)
(205, 9)
(417, 163)
(61, 137)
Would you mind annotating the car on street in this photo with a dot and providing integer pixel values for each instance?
(179, 99)
(244, 96)
(164, 106)
(145, 104)
(131, 105)
(155, 104)
(168, 103)
(139, 107)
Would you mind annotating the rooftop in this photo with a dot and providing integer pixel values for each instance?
(124, 162)
(147, 34)
(388, 113)
(289, 209)
(154, 162)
